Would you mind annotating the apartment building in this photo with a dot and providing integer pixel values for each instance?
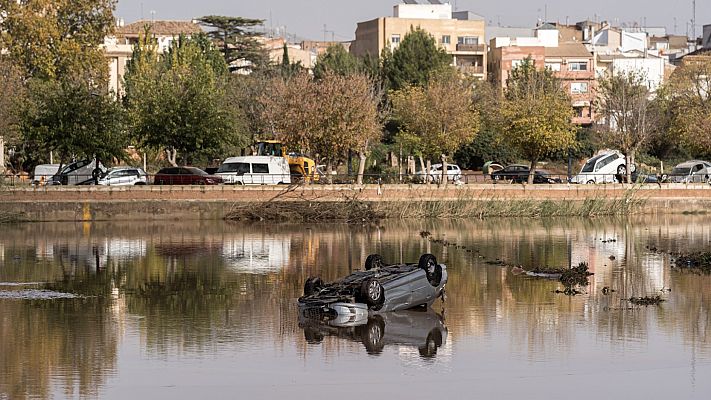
(118, 48)
(571, 62)
(460, 33)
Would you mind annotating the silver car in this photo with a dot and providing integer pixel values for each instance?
(124, 176)
(690, 172)
(379, 288)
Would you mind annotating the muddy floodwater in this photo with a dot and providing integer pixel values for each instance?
(208, 310)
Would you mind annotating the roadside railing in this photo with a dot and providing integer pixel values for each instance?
(14, 180)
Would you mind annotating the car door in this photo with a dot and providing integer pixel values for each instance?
(400, 290)
(697, 173)
(260, 173)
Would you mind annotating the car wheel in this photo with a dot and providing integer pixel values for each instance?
(140, 183)
(434, 340)
(373, 293)
(372, 335)
(621, 170)
(432, 269)
(374, 261)
(312, 285)
(591, 182)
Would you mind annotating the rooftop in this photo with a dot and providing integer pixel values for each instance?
(160, 28)
(568, 50)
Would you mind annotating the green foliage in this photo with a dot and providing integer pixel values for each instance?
(12, 96)
(486, 147)
(687, 106)
(74, 118)
(536, 114)
(179, 101)
(338, 61)
(414, 60)
(237, 40)
(57, 38)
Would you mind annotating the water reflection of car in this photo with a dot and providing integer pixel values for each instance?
(379, 288)
(185, 176)
(690, 172)
(608, 167)
(518, 173)
(124, 176)
(420, 328)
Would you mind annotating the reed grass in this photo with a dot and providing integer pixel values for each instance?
(353, 210)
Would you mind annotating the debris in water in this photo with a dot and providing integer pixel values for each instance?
(695, 262)
(646, 301)
(425, 234)
(606, 290)
(612, 258)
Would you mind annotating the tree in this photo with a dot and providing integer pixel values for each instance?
(237, 40)
(74, 118)
(536, 114)
(413, 61)
(624, 102)
(438, 118)
(338, 61)
(56, 38)
(178, 102)
(329, 117)
(689, 101)
(12, 95)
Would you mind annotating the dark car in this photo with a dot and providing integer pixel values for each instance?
(518, 173)
(185, 176)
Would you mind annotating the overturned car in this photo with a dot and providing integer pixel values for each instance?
(379, 288)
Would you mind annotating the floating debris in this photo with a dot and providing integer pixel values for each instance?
(576, 276)
(696, 262)
(646, 301)
(612, 258)
(612, 240)
(606, 290)
(11, 284)
(547, 273)
(425, 234)
(495, 262)
(36, 294)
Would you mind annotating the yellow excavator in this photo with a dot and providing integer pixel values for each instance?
(299, 165)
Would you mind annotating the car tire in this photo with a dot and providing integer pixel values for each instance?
(312, 285)
(374, 261)
(433, 341)
(433, 270)
(622, 170)
(591, 182)
(372, 335)
(373, 293)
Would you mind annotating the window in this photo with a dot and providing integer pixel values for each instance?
(553, 66)
(516, 63)
(578, 87)
(239, 168)
(446, 39)
(395, 40)
(468, 40)
(578, 66)
(260, 168)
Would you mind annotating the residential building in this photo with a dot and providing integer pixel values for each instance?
(653, 68)
(118, 48)
(571, 62)
(461, 33)
(706, 38)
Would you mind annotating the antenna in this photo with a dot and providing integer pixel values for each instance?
(693, 21)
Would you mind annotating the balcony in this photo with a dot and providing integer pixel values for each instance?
(471, 69)
(471, 48)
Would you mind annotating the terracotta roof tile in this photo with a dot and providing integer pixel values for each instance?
(568, 50)
(161, 28)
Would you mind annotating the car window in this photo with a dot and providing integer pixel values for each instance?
(698, 167)
(194, 171)
(237, 167)
(260, 168)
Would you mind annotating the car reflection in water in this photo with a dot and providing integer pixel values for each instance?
(420, 328)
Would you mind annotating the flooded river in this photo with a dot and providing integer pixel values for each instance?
(208, 310)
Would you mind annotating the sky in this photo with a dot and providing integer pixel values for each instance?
(310, 18)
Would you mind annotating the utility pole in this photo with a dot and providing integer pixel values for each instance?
(693, 22)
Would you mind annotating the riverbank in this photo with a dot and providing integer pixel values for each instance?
(93, 203)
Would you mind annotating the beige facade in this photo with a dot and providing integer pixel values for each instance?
(462, 38)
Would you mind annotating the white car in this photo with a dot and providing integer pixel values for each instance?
(255, 170)
(603, 168)
(690, 172)
(454, 173)
(124, 176)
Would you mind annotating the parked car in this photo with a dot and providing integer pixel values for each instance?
(518, 173)
(454, 173)
(83, 172)
(255, 170)
(690, 172)
(422, 329)
(124, 176)
(185, 176)
(379, 288)
(43, 173)
(608, 167)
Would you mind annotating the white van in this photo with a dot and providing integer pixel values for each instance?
(603, 168)
(255, 170)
